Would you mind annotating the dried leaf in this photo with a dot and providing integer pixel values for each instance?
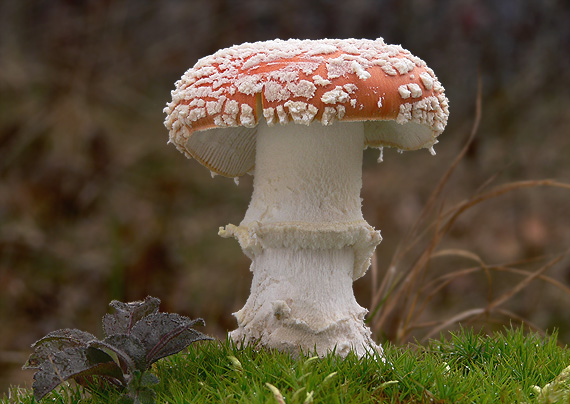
(276, 393)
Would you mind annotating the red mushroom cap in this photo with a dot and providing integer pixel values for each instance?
(301, 81)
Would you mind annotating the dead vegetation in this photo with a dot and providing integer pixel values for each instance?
(399, 301)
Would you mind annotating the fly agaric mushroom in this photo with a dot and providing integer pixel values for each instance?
(297, 114)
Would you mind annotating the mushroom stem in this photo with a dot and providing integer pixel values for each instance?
(307, 240)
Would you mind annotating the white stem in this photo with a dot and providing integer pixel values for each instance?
(307, 174)
(307, 239)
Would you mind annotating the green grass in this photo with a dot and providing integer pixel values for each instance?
(464, 367)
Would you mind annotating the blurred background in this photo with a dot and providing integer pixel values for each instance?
(95, 206)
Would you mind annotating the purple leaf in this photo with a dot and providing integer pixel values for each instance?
(128, 348)
(127, 314)
(57, 341)
(165, 334)
(78, 363)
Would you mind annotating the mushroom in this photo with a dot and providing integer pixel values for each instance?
(297, 114)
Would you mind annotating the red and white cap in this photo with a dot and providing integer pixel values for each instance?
(218, 103)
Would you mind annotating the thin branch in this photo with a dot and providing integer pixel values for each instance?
(428, 207)
(522, 284)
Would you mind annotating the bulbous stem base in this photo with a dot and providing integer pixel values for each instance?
(302, 301)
